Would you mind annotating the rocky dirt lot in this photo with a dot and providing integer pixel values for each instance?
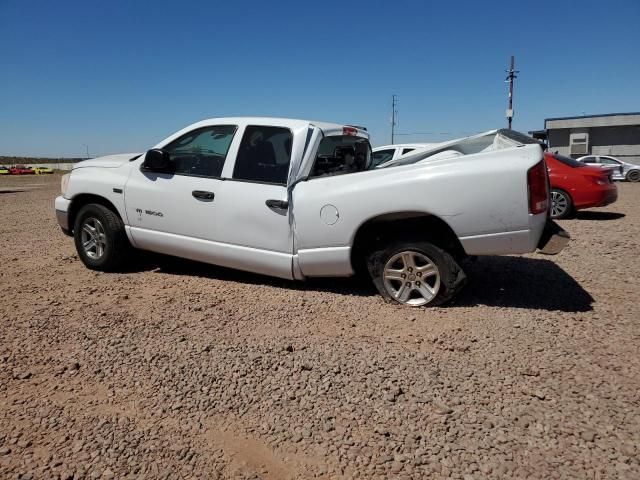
(181, 370)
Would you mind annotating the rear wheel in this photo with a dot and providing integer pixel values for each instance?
(100, 239)
(415, 273)
(561, 204)
(633, 175)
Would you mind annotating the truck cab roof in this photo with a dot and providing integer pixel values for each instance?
(328, 129)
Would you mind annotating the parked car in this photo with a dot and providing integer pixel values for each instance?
(42, 170)
(575, 185)
(621, 170)
(387, 153)
(21, 170)
(4, 170)
(296, 199)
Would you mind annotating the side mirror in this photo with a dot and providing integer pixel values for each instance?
(158, 161)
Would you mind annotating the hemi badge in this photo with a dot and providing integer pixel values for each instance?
(117, 190)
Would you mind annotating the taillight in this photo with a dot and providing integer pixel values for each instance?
(538, 188)
(349, 131)
(604, 180)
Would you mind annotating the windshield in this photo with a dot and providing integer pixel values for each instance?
(568, 161)
(382, 156)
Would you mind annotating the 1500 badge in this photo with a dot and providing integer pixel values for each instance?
(139, 211)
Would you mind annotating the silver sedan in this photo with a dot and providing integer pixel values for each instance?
(621, 170)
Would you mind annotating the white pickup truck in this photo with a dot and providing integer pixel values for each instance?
(298, 199)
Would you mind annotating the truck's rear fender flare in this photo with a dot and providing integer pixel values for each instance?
(82, 199)
(379, 230)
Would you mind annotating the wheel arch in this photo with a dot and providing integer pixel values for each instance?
(381, 229)
(83, 199)
(563, 190)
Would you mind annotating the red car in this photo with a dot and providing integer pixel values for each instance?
(21, 170)
(575, 186)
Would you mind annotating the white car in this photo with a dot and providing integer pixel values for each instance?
(386, 153)
(297, 199)
(620, 170)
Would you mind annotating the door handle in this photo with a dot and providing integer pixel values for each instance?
(283, 204)
(203, 195)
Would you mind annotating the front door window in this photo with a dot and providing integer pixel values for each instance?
(201, 152)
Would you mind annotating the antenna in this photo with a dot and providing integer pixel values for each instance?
(394, 112)
(511, 75)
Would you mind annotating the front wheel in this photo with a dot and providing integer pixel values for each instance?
(561, 204)
(415, 273)
(633, 175)
(100, 238)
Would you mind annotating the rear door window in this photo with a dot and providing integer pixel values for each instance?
(264, 155)
(407, 150)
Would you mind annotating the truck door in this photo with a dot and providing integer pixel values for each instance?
(253, 214)
(177, 213)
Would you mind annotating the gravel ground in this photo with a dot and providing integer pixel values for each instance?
(182, 370)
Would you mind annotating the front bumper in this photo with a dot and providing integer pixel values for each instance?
(554, 238)
(62, 214)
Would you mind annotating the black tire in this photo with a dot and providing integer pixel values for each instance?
(452, 277)
(633, 176)
(564, 209)
(116, 246)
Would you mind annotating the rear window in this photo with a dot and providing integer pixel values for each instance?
(338, 155)
(609, 161)
(568, 161)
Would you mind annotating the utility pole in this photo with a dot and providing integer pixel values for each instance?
(87, 147)
(511, 75)
(394, 112)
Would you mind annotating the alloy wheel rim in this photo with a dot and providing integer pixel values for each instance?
(93, 238)
(559, 204)
(411, 278)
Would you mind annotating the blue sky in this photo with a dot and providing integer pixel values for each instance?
(121, 75)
